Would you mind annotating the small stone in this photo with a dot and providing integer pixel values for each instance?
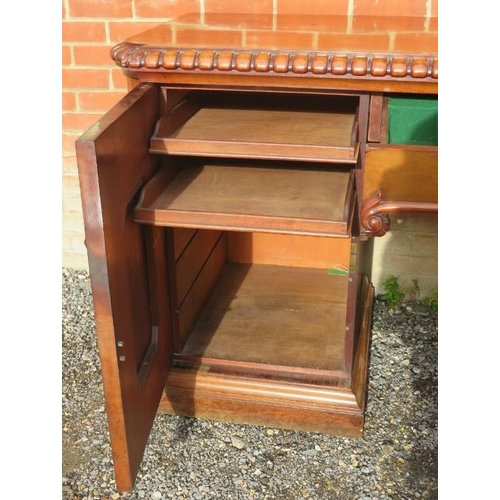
(156, 495)
(270, 432)
(387, 449)
(238, 443)
(311, 452)
(115, 496)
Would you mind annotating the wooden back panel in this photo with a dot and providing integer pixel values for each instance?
(289, 250)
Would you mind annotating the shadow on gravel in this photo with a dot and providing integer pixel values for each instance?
(422, 339)
(405, 358)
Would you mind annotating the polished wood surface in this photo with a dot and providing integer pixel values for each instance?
(130, 331)
(338, 47)
(273, 315)
(254, 133)
(253, 198)
(397, 179)
(402, 173)
(192, 260)
(225, 248)
(289, 250)
(186, 312)
(307, 32)
(181, 237)
(257, 401)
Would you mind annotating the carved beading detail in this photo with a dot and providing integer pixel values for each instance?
(143, 57)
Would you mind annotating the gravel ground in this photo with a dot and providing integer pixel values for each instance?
(397, 457)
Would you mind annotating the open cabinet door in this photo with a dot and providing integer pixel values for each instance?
(134, 339)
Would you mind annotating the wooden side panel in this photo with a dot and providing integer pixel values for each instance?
(198, 294)
(289, 250)
(402, 173)
(134, 341)
(192, 260)
(181, 238)
(360, 364)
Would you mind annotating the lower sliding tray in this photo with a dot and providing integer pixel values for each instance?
(250, 198)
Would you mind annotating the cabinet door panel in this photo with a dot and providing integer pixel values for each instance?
(134, 340)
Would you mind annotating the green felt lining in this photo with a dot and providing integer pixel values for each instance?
(413, 120)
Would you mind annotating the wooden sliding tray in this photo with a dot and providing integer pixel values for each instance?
(319, 128)
(246, 197)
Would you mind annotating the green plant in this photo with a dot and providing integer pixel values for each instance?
(393, 294)
(432, 300)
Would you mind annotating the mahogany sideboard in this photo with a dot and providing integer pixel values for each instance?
(227, 200)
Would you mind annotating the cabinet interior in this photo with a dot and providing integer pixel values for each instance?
(404, 120)
(251, 302)
(259, 250)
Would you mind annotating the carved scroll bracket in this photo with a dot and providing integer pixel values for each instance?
(374, 213)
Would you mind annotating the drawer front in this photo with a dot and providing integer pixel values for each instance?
(402, 173)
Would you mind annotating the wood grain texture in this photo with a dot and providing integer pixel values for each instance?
(383, 52)
(273, 315)
(257, 133)
(254, 198)
(113, 164)
(195, 255)
(360, 365)
(374, 216)
(265, 130)
(288, 250)
(285, 405)
(181, 238)
(186, 313)
(402, 173)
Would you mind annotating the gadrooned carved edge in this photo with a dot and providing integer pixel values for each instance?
(374, 216)
(144, 57)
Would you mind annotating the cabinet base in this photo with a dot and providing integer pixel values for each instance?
(253, 401)
(328, 409)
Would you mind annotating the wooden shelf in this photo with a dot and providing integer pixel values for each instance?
(248, 127)
(272, 315)
(246, 197)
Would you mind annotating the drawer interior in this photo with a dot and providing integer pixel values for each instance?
(250, 196)
(412, 120)
(260, 125)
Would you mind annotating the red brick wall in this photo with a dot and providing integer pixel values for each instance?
(91, 84)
